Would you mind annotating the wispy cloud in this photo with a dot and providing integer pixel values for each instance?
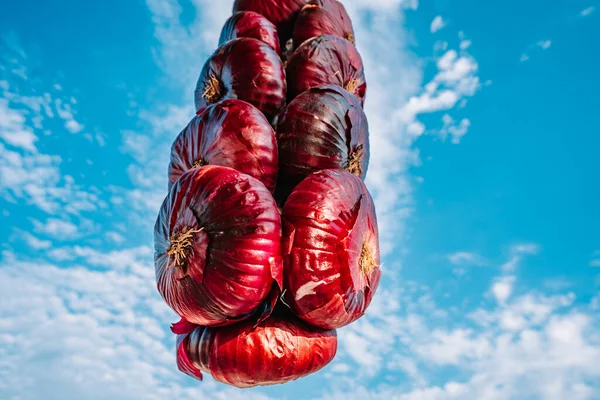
(465, 258)
(13, 129)
(100, 334)
(526, 344)
(517, 253)
(32, 241)
(455, 81)
(66, 113)
(587, 11)
(57, 228)
(26, 174)
(544, 44)
(541, 45)
(595, 260)
(455, 130)
(437, 24)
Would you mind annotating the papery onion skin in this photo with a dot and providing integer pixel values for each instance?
(278, 350)
(331, 249)
(323, 128)
(246, 69)
(217, 246)
(326, 60)
(231, 133)
(282, 13)
(323, 17)
(252, 25)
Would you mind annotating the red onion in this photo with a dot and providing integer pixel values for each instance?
(277, 350)
(217, 246)
(231, 133)
(282, 13)
(323, 128)
(245, 69)
(326, 60)
(323, 17)
(331, 249)
(252, 25)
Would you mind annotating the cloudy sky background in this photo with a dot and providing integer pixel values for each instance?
(484, 168)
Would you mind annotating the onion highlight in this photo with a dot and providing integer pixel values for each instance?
(277, 350)
(323, 17)
(323, 128)
(282, 13)
(246, 69)
(252, 25)
(218, 247)
(331, 249)
(326, 60)
(231, 133)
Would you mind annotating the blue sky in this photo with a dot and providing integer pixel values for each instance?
(483, 120)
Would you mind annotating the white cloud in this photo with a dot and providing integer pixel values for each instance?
(73, 126)
(466, 258)
(65, 112)
(525, 249)
(13, 129)
(32, 241)
(518, 251)
(25, 173)
(541, 45)
(437, 24)
(456, 131)
(513, 352)
(502, 289)
(586, 12)
(465, 44)
(528, 346)
(57, 228)
(82, 334)
(448, 348)
(545, 44)
(456, 79)
(440, 45)
(115, 237)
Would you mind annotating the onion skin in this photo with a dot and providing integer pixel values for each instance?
(331, 249)
(218, 247)
(323, 128)
(231, 133)
(245, 69)
(323, 17)
(282, 13)
(277, 350)
(326, 60)
(252, 25)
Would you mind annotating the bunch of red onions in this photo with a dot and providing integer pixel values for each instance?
(267, 241)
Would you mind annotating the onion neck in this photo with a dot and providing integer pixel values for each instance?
(181, 244)
(366, 260)
(200, 162)
(352, 85)
(354, 165)
(212, 91)
(349, 36)
(308, 6)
